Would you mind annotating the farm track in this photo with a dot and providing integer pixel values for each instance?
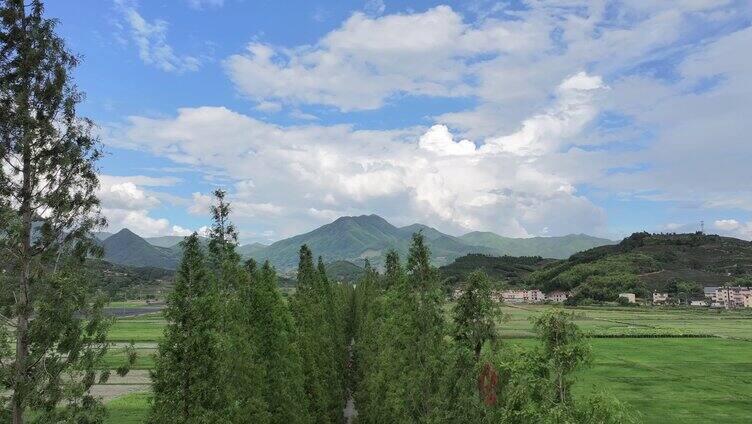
(350, 412)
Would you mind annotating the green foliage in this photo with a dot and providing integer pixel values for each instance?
(240, 366)
(685, 290)
(344, 271)
(606, 288)
(475, 314)
(278, 348)
(411, 367)
(48, 209)
(400, 341)
(120, 282)
(187, 375)
(320, 330)
(233, 352)
(645, 262)
(509, 269)
(563, 349)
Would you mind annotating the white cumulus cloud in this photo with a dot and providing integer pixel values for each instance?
(150, 37)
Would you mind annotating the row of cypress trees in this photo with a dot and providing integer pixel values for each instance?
(415, 364)
(235, 351)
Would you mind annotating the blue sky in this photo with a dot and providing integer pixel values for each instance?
(524, 118)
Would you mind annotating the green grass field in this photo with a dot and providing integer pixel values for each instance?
(129, 409)
(647, 321)
(137, 329)
(667, 380)
(675, 380)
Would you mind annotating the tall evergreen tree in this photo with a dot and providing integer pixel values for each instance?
(429, 333)
(186, 379)
(393, 270)
(223, 242)
(48, 205)
(310, 306)
(475, 314)
(401, 345)
(242, 368)
(278, 345)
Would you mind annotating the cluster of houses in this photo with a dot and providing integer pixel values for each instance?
(523, 296)
(728, 297)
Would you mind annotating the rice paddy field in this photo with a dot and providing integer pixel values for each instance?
(670, 365)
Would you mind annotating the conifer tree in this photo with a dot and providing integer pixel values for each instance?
(309, 305)
(223, 242)
(336, 332)
(393, 270)
(429, 331)
(278, 347)
(403, 354)
(48, 209)
(308, 316)
(186, 378)
(242, 367)
(475, 314)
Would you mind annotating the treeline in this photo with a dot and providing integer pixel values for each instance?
(501, 270)
(415, 365)
(235, 351)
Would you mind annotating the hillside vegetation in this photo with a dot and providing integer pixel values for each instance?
(500, 269)
(645, 262)
(547, 247)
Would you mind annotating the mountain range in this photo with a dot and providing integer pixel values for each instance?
(352, 239)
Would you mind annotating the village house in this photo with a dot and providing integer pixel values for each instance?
(513, 296)
(698, 303)
(535, 296)
(660, 297)
(748, 300)
(521, 296)
(629, 296)
(730, 297)
(557, 296)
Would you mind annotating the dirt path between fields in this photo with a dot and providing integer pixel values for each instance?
(350, 412)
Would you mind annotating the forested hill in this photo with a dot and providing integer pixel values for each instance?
(507, 269)
(650, 261)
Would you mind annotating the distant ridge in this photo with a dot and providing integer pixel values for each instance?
(164, 241)
(127, 248)
(356, 238)
(352, 239)
(250, 249)
(547, 247)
